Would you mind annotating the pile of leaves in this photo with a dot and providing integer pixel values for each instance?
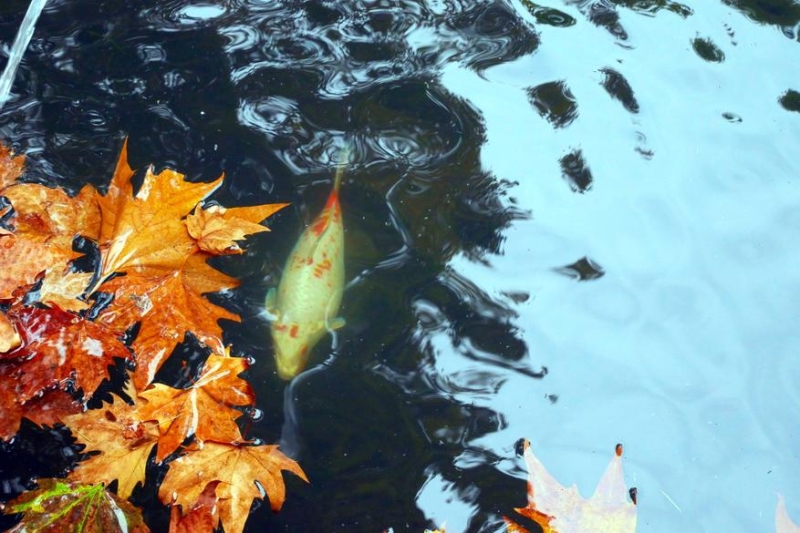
(132, 291)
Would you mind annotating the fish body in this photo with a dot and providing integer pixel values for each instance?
(310, 291)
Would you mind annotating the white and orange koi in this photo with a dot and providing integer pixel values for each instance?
(310, 291)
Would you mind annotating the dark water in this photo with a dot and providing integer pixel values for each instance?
(574, 221)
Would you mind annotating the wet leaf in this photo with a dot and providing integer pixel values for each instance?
(147, 230)
(124, 440)
(69, 507)
(59, 350)
(204, 410)
(10, 167)
(238, 468)
(783, 524)
(22, 260)
(44, 410)
(558, 509)
(167, 307)
(64, 289)
(217, 229)
(203, 516)
(9, 338)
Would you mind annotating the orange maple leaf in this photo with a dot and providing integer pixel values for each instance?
(10, 167)
(238, 468)
(217, 229)
(203, 516)
(167, 307)
(558, 509)
(148, 229)
(124, 440)
(22, 260)
(204, 410)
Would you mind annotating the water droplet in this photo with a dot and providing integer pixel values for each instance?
(254, 413)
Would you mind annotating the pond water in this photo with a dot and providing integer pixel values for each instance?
(574, 221)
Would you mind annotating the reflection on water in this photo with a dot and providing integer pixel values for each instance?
(571, 221)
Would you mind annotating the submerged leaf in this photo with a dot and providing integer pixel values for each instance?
(558, 509)
(11, 167)
(72, 508)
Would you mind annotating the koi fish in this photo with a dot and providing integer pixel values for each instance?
(310, 291)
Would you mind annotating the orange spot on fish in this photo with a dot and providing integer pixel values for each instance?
(293, 331)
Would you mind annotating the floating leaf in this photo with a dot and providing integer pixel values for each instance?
(59, 507)
(217, 229)
(203, 516)
(204, 410)
(238, 468)
(558, 509)
(10, 167)
(123, 439)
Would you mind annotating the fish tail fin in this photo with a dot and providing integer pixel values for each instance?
(341, 164)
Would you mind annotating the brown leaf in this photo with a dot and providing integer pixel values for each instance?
(44, 410)
(558, 509)
(217, 229)
(204, 410)
(22, 260)
(238, 468)
(148, 230)
(167, 308)
(59, 349)
(124, 439)
(58, 507)
(784, 524)
(203, 516)
(10, 167)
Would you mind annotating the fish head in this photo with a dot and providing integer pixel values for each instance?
(292, 344)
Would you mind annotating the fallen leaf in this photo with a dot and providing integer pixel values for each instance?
(558, 509)
(783, 524)
(44, 410)
(22, 260)
(9, 338)
(204, 410)
(58, 350)
(217, 229)
(238, 468)
(10, 167)
(64, 289)
(167, 308)
(46, 214)
(203, 516)
(72, 508)
(124, 440)
(148, 229)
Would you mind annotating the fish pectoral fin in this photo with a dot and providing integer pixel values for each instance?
(271, 304)
(336, 323)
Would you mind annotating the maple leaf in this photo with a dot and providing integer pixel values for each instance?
(167, 307)
(238, 468)
(59, 348)
(10, 167)
(22, 260)
(44, 410)
(203, 410)
(562, 510)
(51, 215)
(203, 516)
(124, 440)
(217, 229)
(147, 229)
(69, 507)
(783, 524)
(65, 289)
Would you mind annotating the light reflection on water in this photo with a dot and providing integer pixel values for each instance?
(686, 349)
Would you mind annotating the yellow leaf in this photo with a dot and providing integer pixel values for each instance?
(64, 289)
